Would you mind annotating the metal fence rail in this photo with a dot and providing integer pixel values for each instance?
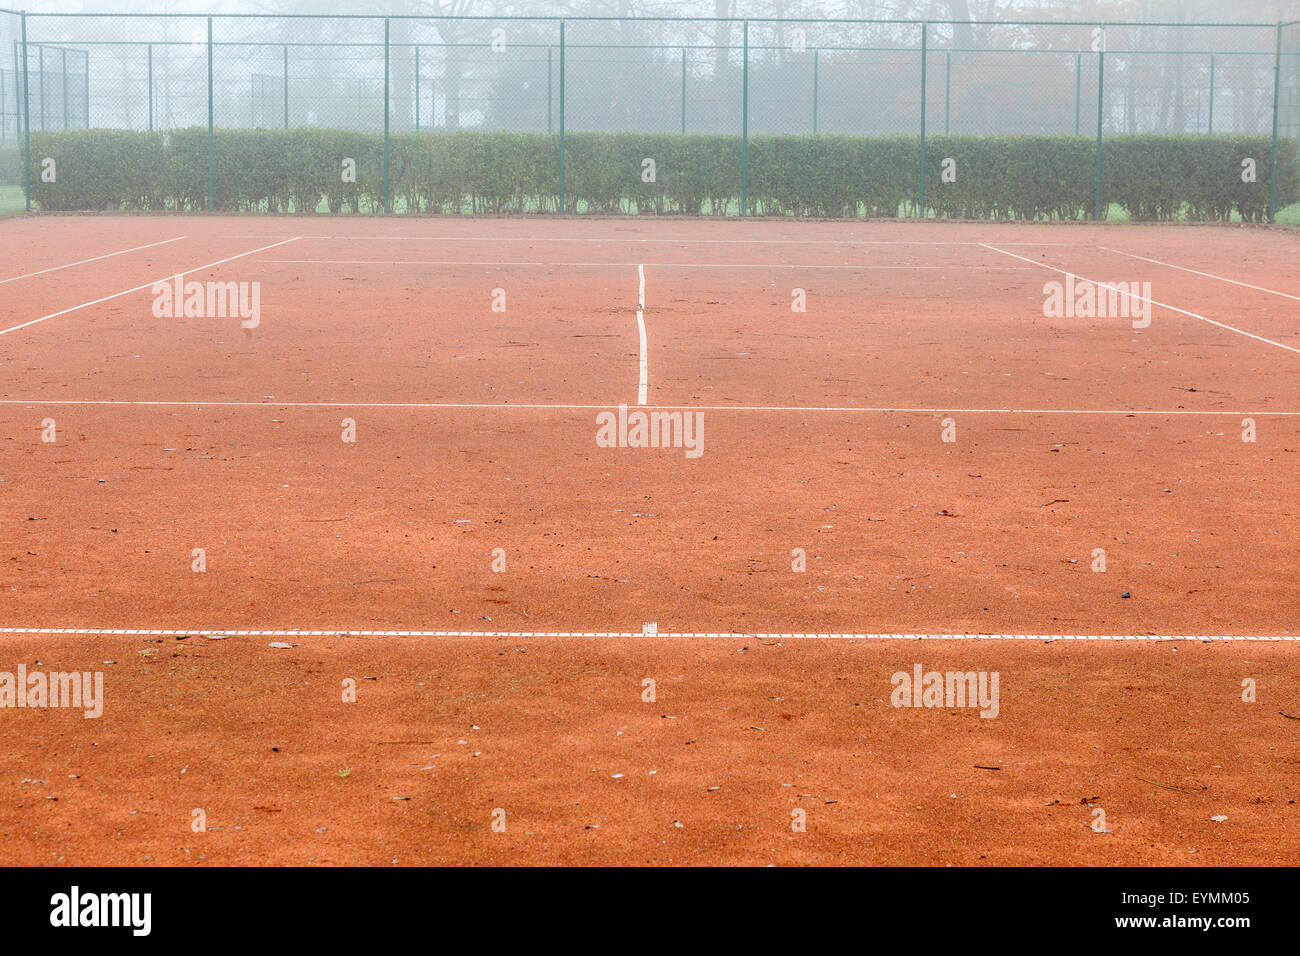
(744, 77)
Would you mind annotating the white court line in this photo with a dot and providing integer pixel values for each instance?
(147, 285)
(984, 267)
(640, 326)
(1134, 295)
(1208, 275)
(560, 406)
(626, 239)
(733, 635)
(82, 262)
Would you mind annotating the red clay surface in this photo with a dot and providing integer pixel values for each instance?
(741, 733)
(903, 532)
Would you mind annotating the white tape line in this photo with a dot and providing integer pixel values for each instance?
(1134, 295)
(580, 407)
(1208, 275)
(715, 266)
(737, 635)
(147, 285)
(640, 327)
(82, 262)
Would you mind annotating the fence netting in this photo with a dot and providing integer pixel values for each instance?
(11, 114)
(1289, 104)
(750, 85)
(1189, 79)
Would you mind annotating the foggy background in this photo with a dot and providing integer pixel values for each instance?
(151, 73)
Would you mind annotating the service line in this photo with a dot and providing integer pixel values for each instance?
(582, 407)
(717, 266)
(643, 634)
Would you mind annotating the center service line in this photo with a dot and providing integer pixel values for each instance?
(640, 326)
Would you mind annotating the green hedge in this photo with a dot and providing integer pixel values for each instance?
(997, 177)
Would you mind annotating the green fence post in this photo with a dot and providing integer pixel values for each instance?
(550, 83)
(150, 86)
(1101, 74)
(1078, 88)
(744, 127)
(683, 91)
(417, 87)
(388, 202)
(85, 85)
(27, 125)
(40, 69)
(816, 85)
(65, 89)
(925, 30)
(1211, 94)
(212, 167)
(947, 89)
(286, 86)
(1277, 89)
(563, 206)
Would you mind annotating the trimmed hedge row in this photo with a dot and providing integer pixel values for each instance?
(998, 177)
(11, 166)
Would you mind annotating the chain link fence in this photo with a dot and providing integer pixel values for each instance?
(12, 133)
(755, 80)
(1289, 82)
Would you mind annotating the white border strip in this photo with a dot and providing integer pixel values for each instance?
(147, 285)
(1134, 295)
(82, 262)
(1208, 275)
(753, 635)
(559, 406)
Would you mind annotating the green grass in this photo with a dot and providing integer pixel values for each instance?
(11, 199)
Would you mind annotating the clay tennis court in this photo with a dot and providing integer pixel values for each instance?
(521, 563)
